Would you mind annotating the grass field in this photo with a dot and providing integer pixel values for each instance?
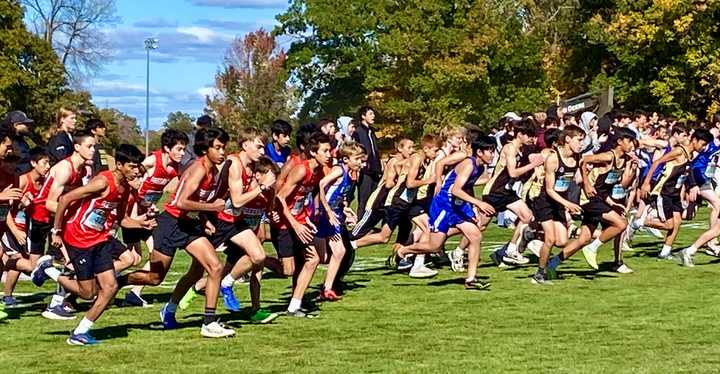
(659, 319)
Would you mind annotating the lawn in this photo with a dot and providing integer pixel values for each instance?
(659, 319)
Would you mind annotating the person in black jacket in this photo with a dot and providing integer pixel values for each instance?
(60, 145)
(20, 122)
(372, 173)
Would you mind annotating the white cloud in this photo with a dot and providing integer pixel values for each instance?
(206, 91)
(203, 34)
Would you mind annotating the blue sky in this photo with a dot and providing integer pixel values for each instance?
(194, 36)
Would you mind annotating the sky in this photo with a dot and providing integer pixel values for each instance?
(194, 36)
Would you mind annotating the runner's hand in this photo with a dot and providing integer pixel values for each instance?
(304, 232)
(589, 190)
(56, 241)
(10, 193)
(218, 205)
(692, 194)
(333, 218)
(209, 228)
(486, 209)
(574, 209)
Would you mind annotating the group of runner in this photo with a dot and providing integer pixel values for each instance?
(82, 227)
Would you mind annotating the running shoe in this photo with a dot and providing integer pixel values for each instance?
(245, 278)
(686, 258)
(188, 298)
(456, 260)
(81, 339)
(534, 246)
(301, 314)
(38, 274)
(668, 256)
(216, 330)
(590, 257)
(57, 313)
(422, 272)
(654, 232)
(515, 258)
(133, 299)
(625, 247)
(405, 264)
(496, 258)
(231, 302)
(167, 318)
(713, 250)
(623, 269)
(475, 284)
(329, 295)
(263, 316)
(10, 302)
(540, 278)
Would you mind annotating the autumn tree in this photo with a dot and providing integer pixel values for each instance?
(179, 121)
(250, 86)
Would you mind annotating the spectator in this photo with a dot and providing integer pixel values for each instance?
(60, 145)
(372, 172)
(278, 149)
(21, 124)
(203, 122)
(100, 160)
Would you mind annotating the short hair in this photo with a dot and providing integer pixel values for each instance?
(265, 164)
(363, 111)
(38, 153)
(640, 113)
(677, 129)
(6, 131)
(350, 149)
(431, 140)
(324, 121)
(280, 127)
(313, 144)
(702, 134)
(571, 131)
(622, 133)
(247, 134)
(483, 143)
(172, 137)
(80, 136)
(453, 130)
(204, 121)
(204, 139)
(526, 126)
(94, 124)
(125, 153)
(302, 136)
(551, 137)
(401, 140)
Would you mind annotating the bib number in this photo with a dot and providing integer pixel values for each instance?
(152, 198)
(680, 181)
(562, 184)
(612, 177)
(20, 218)
(96, 220)
(230, 209)
(618, 192)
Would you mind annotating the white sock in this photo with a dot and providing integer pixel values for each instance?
(353, 243)
(56, 300)
(228, 281)
(53, 273)
(594, 245)
(84, 326)
(511, 248)
(419, 261)
(691, 250)
(666, 249)
(171, 307)
(294, 305)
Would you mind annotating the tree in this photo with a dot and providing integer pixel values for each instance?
(251, 89)
(424, 64)
(121, 129)
(74, 29)
(179, 121)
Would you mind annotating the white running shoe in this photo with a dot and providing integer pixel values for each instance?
(422, 272)
(456, 260)
(624, 269)
(515, 258)
(625, 247)
(590, 257)
(654, 232)
(686, 259)
(713, 250)
(534, 247)
(216, 330)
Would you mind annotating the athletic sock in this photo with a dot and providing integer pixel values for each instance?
(511, 248)
(419, 261)
(666, 249)
(594, 245)
(691, 250)
(209, 316)
(171, 307)
(84, 326)
(53, 273)
(122, 281)
(228, 281)
(56, 300)
(294, 305)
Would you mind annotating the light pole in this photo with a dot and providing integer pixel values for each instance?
(150, 43)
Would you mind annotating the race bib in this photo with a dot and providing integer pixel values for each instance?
(710, 170)
(230, 209)
(613, 177)
(96, 220)
(300, 205)
(407, 195)
(562, 184)
(618, 192)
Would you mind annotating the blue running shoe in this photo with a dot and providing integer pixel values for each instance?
(231, 303)
(57, 313)
(81, 339)
(168, 318)
(38, 274)
(405, 264)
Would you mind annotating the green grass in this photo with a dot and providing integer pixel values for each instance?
(660, 319)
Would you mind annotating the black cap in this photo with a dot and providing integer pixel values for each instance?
(17, 116)
(204, 121)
